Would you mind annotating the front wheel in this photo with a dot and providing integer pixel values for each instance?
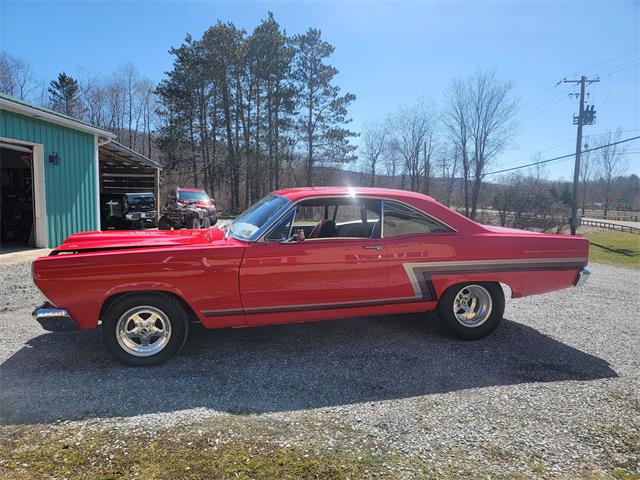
(164, 224)
(206, 223)
(195, 224)
(471, 311)
(144, 329)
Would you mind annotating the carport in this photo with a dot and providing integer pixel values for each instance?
(124, 171)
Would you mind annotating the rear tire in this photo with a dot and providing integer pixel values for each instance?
(470, 311)
(145, 329)
(164, 224)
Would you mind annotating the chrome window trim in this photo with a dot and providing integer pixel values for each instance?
(261, 237)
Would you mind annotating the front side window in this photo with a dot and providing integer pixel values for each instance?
(402, 220)
(248, 224)
(337, 218)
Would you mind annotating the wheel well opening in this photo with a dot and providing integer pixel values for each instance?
(193, 318)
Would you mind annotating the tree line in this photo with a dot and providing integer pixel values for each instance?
(123, 102)
(243, 114)
(249, 113)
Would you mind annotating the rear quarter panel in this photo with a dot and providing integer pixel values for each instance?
(528, 263)
(206, 277)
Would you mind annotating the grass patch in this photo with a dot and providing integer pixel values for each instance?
(615, 248)
(68, 452)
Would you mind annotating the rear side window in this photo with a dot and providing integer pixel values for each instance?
(402, 220)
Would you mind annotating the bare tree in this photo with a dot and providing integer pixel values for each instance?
(539, 171)
(374, 140)
(16, 77)
(479, 120)
(612, 163)
(410, 129)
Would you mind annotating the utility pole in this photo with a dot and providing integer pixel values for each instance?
(585, 117)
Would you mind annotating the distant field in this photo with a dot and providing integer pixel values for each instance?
(615, 248)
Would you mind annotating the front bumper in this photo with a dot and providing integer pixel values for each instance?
(53, 319)
(583, 276)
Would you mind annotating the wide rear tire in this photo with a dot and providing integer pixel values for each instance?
(470, 311)
(145, 329)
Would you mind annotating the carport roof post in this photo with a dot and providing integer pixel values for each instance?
(19, 106)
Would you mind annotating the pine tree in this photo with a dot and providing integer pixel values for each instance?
(63, 94)
(324, 111)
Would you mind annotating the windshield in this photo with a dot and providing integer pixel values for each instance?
(187, 196)
(248, 223)
(140, 198)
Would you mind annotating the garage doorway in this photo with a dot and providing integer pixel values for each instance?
(16, 197)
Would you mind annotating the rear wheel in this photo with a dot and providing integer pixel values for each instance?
(144, 329)
(471, 311)
(164, 224)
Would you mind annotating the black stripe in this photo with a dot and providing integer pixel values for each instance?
(426, 273)
(304, 308)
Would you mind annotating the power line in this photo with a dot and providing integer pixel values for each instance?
(527, 157)
(611, 59)
(541, 108)
(624, 68)
(562, 157)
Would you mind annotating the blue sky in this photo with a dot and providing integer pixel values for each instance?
(388, 53)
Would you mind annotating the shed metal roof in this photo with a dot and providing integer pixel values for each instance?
(25, 108)
(122, 151)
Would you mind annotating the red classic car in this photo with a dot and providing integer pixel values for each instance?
(300, 255)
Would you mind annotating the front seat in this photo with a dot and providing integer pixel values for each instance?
(324, 229)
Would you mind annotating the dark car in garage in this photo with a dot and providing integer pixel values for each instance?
(128, 211)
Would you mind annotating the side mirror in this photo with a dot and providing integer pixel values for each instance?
(298, 236)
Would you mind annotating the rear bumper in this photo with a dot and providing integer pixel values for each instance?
(53, 319)
(583, 276)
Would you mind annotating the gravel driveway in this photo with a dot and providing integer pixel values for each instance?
(555, 391)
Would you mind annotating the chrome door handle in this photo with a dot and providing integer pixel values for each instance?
(373, 247)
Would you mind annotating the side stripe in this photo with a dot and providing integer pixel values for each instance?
(420, 275)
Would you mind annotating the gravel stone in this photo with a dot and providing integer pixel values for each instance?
(553, 393)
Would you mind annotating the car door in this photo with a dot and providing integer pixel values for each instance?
(311, 279)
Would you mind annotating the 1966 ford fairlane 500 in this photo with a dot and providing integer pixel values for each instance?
(300, 255)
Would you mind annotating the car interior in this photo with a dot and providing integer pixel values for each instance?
(351, 218)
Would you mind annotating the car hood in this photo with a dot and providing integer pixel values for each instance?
(200, 204)
(124, 239)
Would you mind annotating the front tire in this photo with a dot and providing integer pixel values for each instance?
(164, 224)
(195, 224)
(206, 223)
(470, 311)
(144, 329)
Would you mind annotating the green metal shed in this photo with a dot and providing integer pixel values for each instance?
(62, 154)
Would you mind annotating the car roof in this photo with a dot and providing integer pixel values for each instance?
(296, 194)
(187, 189)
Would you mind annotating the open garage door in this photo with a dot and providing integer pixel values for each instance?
(16, 192)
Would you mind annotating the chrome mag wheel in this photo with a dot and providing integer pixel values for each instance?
(472, 306)
(143, 331)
